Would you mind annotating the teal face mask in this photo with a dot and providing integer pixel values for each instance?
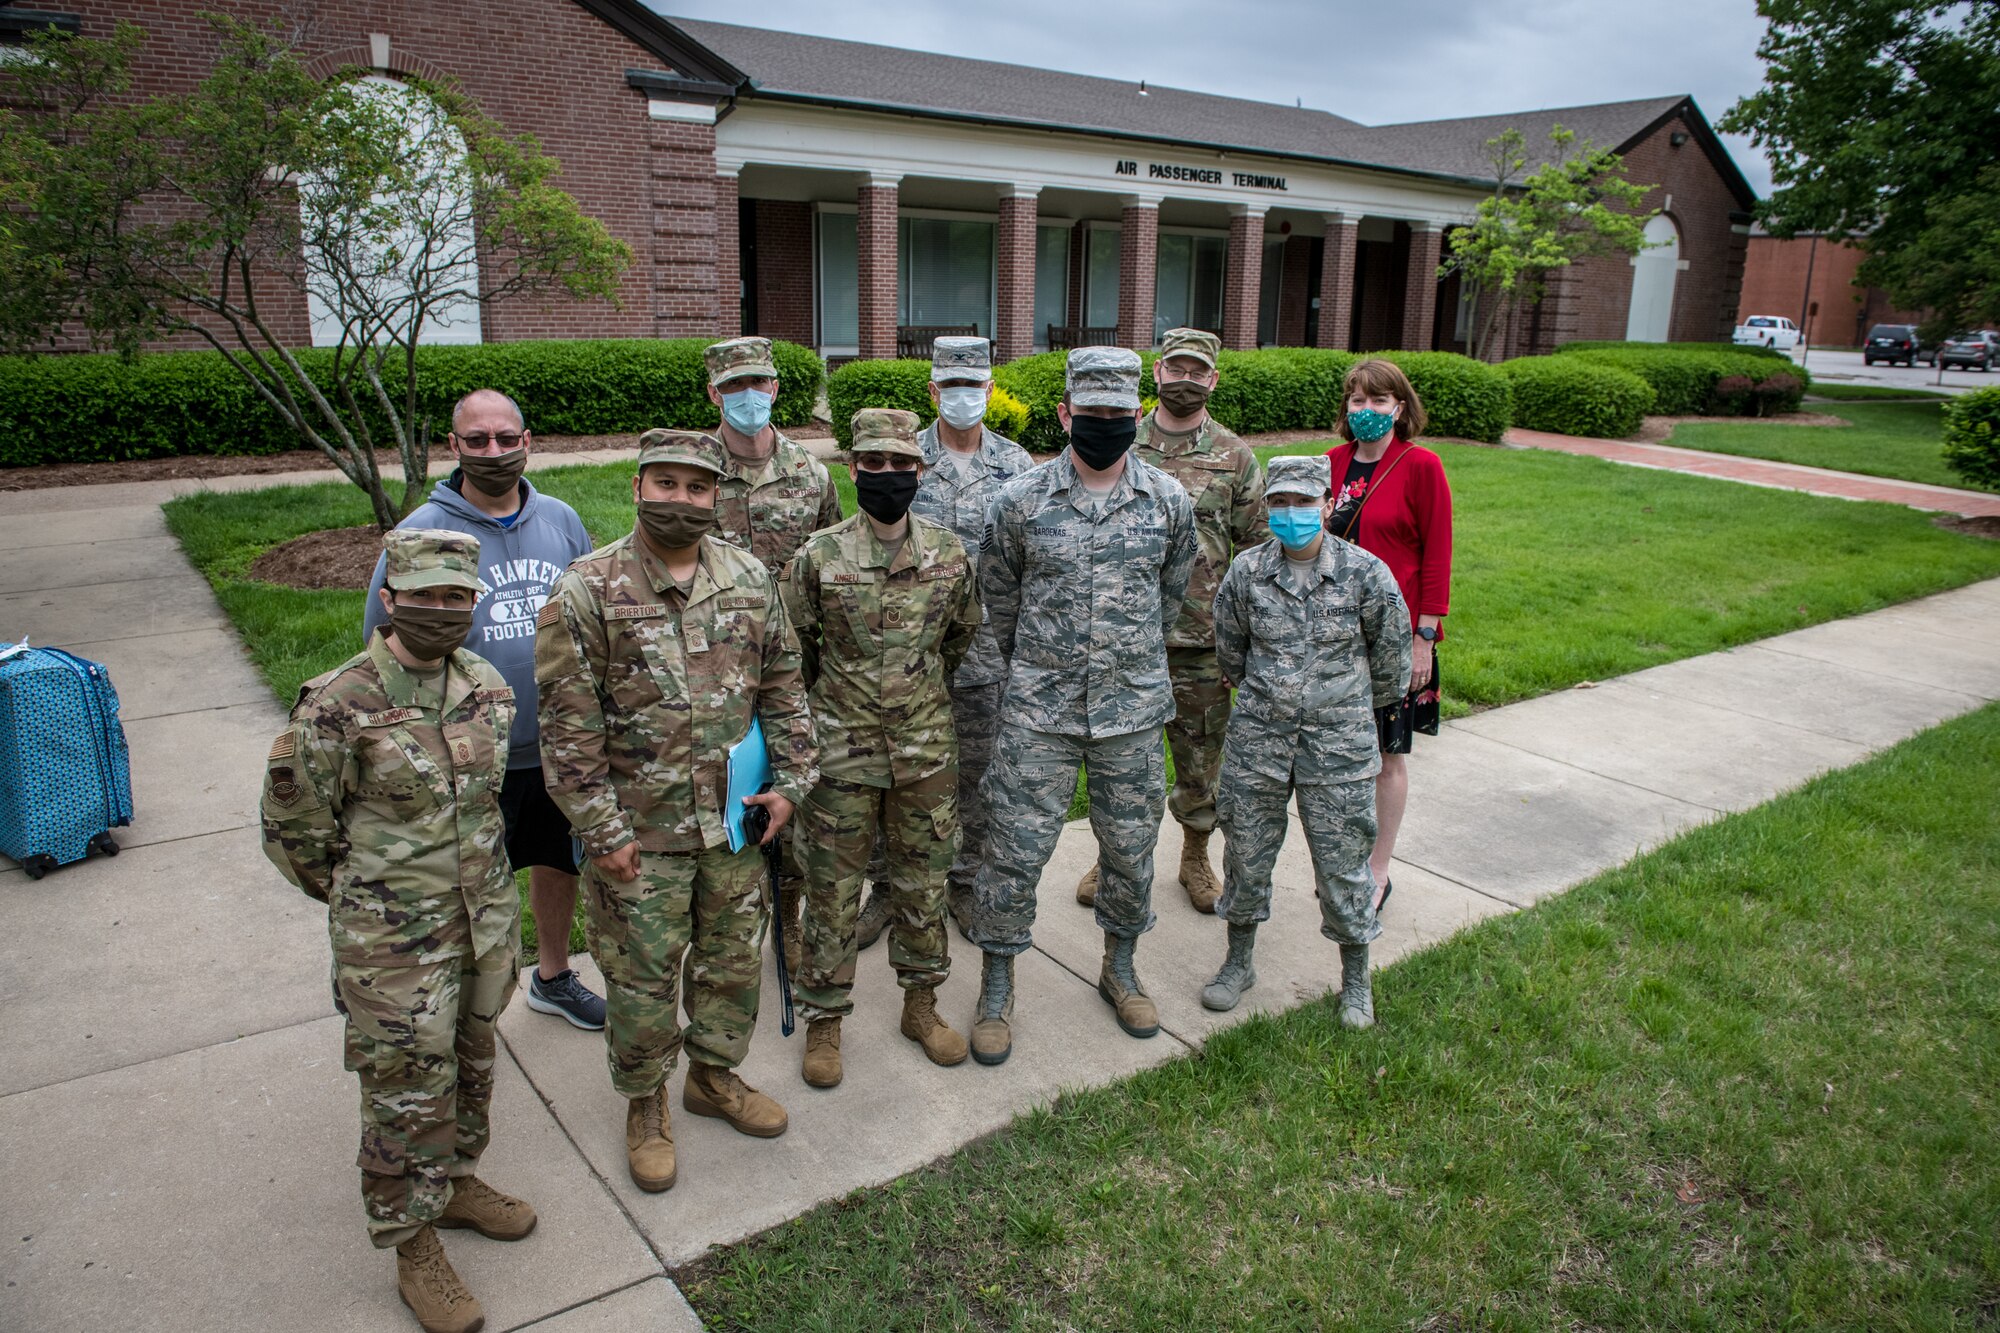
(1368, 425)
(1296, 527)
(747, 410)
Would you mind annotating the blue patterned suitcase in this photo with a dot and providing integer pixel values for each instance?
(65, 774)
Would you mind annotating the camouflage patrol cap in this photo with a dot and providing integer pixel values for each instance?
(885, 430)
(960, 358)
(431, 558)
(737, 358)
(1102, 377)
(1295, 474)
(1200, 344)
(681, 446)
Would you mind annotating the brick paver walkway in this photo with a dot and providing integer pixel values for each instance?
(1763, 472)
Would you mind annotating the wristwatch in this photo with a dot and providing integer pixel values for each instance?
(1427, 633)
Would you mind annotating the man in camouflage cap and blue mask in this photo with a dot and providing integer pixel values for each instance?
(1316, 637)
(382, 800)
(965, 461)
(1222, 478)
(885, 608)
(652, 657)
(1083, 568)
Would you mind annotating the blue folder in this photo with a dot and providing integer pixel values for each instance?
(749, 773)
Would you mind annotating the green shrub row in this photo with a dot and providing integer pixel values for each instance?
(1684, 376)
(94, 408)
(903, 384)
(1972, 437)
(1753, 349)
(1572, 396)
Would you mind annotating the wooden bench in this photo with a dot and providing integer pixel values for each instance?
(1062, 337)
(913, 341)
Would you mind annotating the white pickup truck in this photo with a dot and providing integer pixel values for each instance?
(1767, 331)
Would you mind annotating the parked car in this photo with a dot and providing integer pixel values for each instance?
(1767, 331)
(1896, 342)
(1979, 350)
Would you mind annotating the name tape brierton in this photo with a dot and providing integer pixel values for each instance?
(1174, 171)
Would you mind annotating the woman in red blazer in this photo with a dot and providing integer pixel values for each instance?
(1391, 500)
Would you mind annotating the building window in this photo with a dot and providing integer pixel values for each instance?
(428, 246)
(1653, 272)
(839, 284)
(1187, 291)
(1100, 277)
(947, 272)
(1269, 282)
(1051, 281)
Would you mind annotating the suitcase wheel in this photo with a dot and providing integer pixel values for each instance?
(105, 843)
(38, 865)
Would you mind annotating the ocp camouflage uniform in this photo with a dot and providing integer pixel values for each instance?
(956, 491)
(644, 688)
(381, 799)
(1226, 486)
(1080, 592)
(770, 508)
(880, 636)
(1314, 649)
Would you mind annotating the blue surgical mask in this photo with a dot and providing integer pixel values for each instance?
(748, 410)
(1368, 425)
(1296, 526)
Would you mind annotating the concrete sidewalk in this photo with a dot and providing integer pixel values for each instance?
(177, 1133)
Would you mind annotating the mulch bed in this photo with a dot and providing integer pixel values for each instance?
(1979, 525)
(1657, 429)
(335, 558)
(49, 475)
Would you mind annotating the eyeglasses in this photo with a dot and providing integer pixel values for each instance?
(479, 440)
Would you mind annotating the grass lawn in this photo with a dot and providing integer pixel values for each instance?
(1743, 1082)
(1901, 440)
(1855, 393)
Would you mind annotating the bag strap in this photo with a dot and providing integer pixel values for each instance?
(1373, 482)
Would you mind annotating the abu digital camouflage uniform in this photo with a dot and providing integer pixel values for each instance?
(881, 636)
(956, 491)
(1080, 591)
(770, 507)
(382, 800)
(644, 688)
(1314, 647)
(1222, 479)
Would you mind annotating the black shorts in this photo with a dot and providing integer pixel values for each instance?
(537, 831)
(1414, 712)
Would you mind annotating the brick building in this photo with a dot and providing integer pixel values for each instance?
(833, 193)
(1812, 281)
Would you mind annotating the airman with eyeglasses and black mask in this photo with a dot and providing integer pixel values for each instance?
(526, 540)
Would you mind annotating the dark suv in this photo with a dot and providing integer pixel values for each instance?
(1979, 349)
(1896, 342)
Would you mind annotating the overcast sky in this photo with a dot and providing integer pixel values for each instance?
(1375, 61)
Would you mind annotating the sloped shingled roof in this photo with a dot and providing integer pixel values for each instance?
(797, 67)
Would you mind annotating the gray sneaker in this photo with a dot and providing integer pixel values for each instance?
(566, 996)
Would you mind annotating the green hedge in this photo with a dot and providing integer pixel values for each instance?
(1287, 388)
(1972, 437)
(95, 408)
(1754, 349)
(1571, 396)
(1684, 376)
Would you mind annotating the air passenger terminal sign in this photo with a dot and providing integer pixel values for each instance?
(1173, 171)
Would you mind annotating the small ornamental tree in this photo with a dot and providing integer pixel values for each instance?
(390, 209)
(1575, 205)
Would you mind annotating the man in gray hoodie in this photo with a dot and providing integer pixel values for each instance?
(526, 541)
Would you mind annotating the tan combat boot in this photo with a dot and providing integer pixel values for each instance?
(822, 1062)
(1086, 888)
(1196, 875)
(922, 1025)
(714, 1091)
(1119, 984)
(992, 1023)
(649, 1143)
(494, 1215)
(432, 1288)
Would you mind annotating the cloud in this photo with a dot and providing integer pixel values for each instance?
(1370, 61)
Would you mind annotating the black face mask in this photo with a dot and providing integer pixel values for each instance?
(1101, 441)
(885, 496)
